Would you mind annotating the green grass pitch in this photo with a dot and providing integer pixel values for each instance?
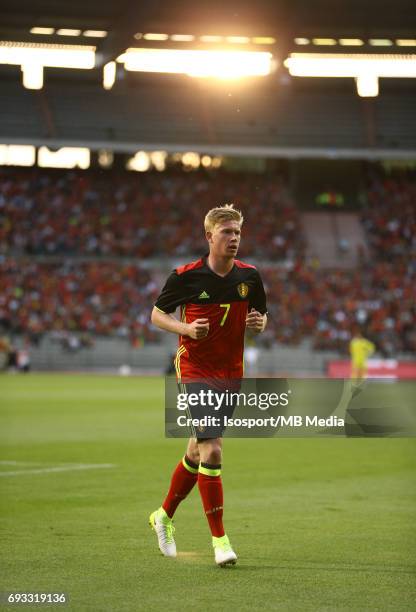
(318, 524)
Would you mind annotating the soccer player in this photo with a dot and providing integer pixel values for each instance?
(219, 297)
(360, 350)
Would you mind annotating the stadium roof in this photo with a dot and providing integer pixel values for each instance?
(283, 20)
(146, 110)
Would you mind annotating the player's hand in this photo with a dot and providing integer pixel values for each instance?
(198, 328)
(255, 321)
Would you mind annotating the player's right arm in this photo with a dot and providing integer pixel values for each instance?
(168, 322)
(173, 295)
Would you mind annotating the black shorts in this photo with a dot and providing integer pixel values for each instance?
(211, 418)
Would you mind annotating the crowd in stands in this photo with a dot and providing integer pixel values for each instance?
(159, 214)
(104, 298)
(389, 217)
(329, 306)
(114, 299)
(140, 214)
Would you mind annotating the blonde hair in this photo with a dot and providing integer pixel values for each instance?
(221, 214)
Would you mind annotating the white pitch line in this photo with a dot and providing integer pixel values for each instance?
(63, 468)
(20, 463)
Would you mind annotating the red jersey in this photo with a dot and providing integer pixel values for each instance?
(224, 301)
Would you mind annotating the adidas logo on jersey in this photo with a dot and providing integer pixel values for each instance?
(204, 296)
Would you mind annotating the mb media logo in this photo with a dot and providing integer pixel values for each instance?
(204, 296)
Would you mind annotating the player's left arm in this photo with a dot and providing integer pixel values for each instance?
(256, 322)
(256, 319)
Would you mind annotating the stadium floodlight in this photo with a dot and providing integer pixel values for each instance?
(66, 157)
(351, 42)
(105, 158)
(367, 86)
(42, 30)
(109, 75)
(324, 41)
(214, 64)
(33, 57)
(263, 40)
(140, 162)
(239, 40)
(302, 41)
(158, 159)
(351, 65)
(32, 75)
(182, 37)
(363, 67)
(191, 159)
(380, 42)
(17, 155)
(406, 42)
(95, 33)
(155, 36)
(68, 32)
(207, 161)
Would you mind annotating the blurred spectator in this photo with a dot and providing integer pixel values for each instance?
(23, 357)
(389, 217)
(9, 353)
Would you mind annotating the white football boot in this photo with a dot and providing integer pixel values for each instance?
(224, 554)
(163, 526)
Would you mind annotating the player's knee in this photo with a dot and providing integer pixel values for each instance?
(193, 455)
(212, 452)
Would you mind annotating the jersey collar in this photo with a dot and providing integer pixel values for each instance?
(205, 260)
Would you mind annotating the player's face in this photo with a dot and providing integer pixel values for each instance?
(224, 240)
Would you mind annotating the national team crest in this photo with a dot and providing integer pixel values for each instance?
(242, 290)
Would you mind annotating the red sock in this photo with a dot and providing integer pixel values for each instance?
(210, 488)
(183, 480)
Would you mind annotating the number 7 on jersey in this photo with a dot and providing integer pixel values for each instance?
(227, 310)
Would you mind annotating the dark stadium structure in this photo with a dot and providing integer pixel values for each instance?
(282, 115)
